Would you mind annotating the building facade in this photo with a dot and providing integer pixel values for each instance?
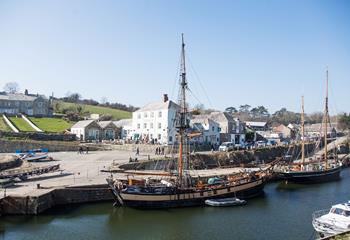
(28, 104)
(126, 130)
(109, 131)
(205, 131)
(155, 122)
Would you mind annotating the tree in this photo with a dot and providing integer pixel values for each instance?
(104, 100)
(263, 111)
(231, 110)
(316, 117)
(11, 87)
(344, 121)
(254, 112)
(72, 97)
(57, 106)
(244, 108)
(198, 109)
(283, 116)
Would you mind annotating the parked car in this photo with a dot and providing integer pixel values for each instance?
(226, 146)
(240, 146)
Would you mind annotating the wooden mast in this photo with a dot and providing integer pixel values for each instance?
(183, 113)
(326, 122)
(302, 133)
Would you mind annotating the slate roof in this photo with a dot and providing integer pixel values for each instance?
(158, 106)
(123, 122)
(255, 124)
(82, 124)
(18, 97)
(104, 124)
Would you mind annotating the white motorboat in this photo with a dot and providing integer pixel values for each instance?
(225, 202)
(333, 221)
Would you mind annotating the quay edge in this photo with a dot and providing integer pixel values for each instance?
(44, 199)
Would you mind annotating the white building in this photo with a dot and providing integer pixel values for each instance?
(126, 128)
(86, 130)
(209, 130)
(155, 122)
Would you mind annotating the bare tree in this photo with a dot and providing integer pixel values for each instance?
(11, 87)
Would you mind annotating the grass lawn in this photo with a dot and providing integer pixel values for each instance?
(3, 125)
(51, 124)
(116, 114)
(21, 124)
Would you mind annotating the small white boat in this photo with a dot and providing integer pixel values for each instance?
(333, 221)
(225, 202)
(36, 157)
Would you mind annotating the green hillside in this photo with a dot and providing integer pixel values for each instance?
(115, 113)
(21, 124)
(51, 124)
(3, 125)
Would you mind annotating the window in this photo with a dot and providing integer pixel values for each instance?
(145, 125)
(159, 136)
(40, 104)
(160, 114)
(170, 139)
(152, 114)
(138, 126)
(159, 125)
(151, 125)
(213, 129)
(145, 115)
(139, 115)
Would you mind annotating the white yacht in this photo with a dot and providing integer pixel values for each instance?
(333, 221)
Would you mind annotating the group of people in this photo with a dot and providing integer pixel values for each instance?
(160, 151)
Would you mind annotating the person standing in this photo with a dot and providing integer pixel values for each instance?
(137, 151)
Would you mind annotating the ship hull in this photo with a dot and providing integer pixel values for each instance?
(312, 176)
(243, 191)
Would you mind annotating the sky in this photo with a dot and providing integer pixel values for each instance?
(256, 52)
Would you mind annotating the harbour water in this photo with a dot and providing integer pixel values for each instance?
(284, 212)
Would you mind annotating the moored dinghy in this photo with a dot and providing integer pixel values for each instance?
(225, 202)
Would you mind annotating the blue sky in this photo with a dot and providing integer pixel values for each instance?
(240, 52)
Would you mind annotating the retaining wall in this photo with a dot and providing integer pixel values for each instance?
(31, 205)
(40, 136)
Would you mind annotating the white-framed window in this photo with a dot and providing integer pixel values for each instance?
(213, 128)
(145, 115)
(151, 125)
(160, 114)
(152, 114)
(159, 136)
(138, 126)
(159, 125)
(139, 115)
(145, 125)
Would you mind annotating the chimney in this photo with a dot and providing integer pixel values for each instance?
(165, 97)
(26, 92)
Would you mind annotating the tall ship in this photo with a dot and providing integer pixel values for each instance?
(180, 189)
(318, 168)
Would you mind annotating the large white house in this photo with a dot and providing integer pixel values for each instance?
(155, 122)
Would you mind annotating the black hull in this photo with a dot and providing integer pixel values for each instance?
(313, 177)
(244, 194)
